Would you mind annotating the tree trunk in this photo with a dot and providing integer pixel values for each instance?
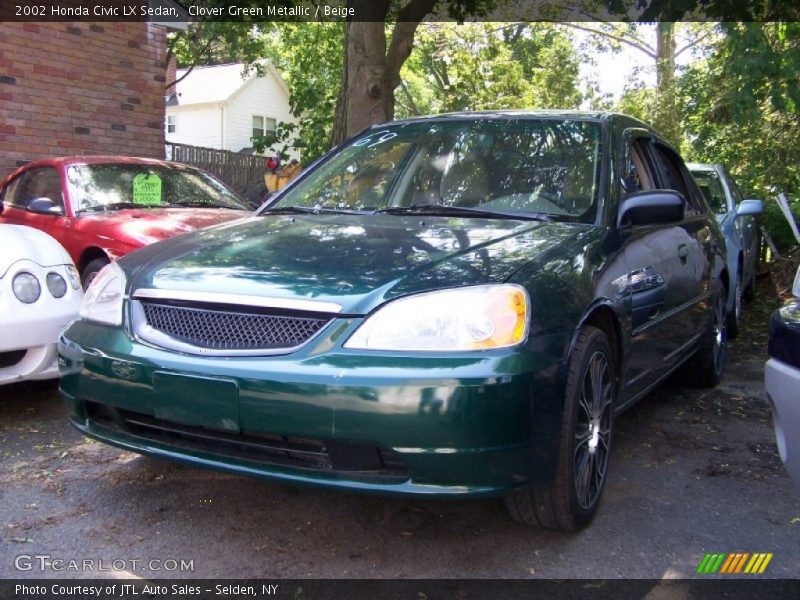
(666, 118)
(365, 97)
(371, 71)
(339, 133)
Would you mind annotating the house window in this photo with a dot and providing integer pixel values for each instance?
(264, 126)
(172, 123)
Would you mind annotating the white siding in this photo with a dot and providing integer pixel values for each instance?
(260, 96)
(196, 126)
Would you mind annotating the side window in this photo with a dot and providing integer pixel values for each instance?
(44, 182)
(12, 193)
(735, 191)
(676, 177)
(638, 169)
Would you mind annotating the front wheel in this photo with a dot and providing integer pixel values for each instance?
(91, 270)
(570, 501)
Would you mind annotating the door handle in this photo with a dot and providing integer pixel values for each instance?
(683, 253)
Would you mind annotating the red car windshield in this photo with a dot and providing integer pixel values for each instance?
(101, 187)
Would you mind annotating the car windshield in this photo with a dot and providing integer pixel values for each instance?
(711, 186)
(98, 187)
(492, 166)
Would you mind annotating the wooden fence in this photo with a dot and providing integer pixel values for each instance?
(240, 171)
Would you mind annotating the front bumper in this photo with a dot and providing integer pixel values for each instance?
(782, 382)
(472, 424)
(29, 364)
(28, 343)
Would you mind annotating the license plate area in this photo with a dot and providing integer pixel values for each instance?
(199, 401)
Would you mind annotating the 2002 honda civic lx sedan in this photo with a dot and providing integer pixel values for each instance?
(446, 306)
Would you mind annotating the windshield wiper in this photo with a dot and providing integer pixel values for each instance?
(312, 210)
(445, 210)
(117, 206)
(195, 204)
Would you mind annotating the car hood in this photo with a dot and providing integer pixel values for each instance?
(26, 243)
(148, 225)
(355, 261)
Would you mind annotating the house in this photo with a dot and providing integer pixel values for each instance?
(224, 106)
(75, 87)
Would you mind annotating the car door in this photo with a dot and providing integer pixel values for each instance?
(747, 227)
(697, 245)
(650, 272)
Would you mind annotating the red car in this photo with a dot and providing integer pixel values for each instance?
(102, 207)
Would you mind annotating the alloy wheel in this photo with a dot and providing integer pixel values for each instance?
(593, 430)
(719, 333)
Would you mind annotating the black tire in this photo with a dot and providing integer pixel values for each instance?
(708, 363)
(91, 270)
(569, 502)
(734, 318)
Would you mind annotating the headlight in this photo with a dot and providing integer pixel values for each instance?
(26, 288)
(56, 284)
(74, 278)
(471, 318)
(103, 299)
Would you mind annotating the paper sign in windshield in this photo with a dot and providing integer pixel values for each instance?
(147, 189)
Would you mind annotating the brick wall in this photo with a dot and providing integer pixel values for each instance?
(80, 88)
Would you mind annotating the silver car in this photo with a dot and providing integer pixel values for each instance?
(737, 219)
(782, 379)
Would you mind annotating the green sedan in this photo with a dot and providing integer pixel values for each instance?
(449, 306)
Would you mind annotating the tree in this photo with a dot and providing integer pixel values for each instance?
(215, 42)
(741, 108)
(309, 56)
(372, 63)
(478, 66)
(671, 40)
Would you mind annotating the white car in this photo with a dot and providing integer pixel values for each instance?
(40, 293)
(782, 379)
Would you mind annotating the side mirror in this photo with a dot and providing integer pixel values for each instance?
(651, 207)
(749, 207)
(44, 206)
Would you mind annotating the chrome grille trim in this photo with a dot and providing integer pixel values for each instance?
(238, 300)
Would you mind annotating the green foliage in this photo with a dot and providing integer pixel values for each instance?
(310, 58)
(279, 144)
(214, 42)
(481, 66)
(740, 108)
(637, 101)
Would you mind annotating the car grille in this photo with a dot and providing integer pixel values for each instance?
(9, 359)
(357, 461)
(231, 330)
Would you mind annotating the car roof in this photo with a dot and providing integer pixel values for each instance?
(583, 115)
(702, 166)
(103, 159)
(67, 161)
